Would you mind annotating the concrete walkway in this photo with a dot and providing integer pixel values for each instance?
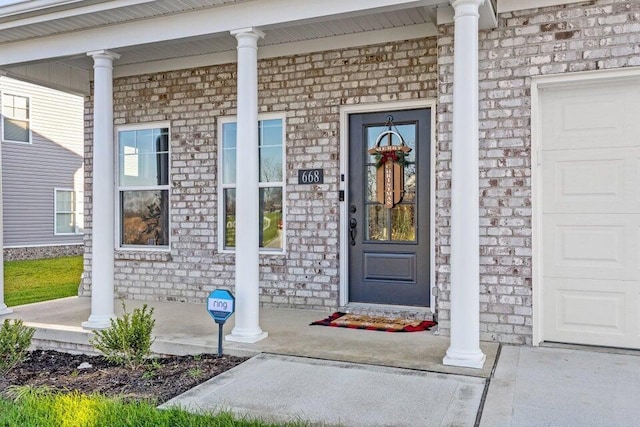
(541, 386)
(534, 387)
(285, 388)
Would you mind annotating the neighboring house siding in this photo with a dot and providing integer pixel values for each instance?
(310, 89)
(31, 172)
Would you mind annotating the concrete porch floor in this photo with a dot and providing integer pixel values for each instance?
(183, 328)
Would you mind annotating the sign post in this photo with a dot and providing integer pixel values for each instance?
(221, 305)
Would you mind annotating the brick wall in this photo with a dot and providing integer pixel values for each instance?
(592, 35)
(310, 89)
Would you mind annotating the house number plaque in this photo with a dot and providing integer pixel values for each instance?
(310, 176)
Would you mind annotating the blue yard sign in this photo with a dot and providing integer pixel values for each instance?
(221, 305)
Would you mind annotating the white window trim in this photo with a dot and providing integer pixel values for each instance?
(2, 116)
(116, 195)
(74, 212)
(221, 187)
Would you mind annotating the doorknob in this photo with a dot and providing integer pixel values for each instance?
(352, 230)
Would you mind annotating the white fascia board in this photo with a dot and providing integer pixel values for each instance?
(61, 14)
(286, 49)
(515, 5)
(258, 13)
(26, 6)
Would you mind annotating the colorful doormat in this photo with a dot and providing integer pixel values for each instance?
(374, 323)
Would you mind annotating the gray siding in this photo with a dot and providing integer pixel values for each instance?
(31, 172)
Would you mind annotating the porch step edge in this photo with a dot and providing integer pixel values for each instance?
(391, 311)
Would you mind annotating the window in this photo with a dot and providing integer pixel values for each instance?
(271, 183)
(143, 187)
(68, 212)
(15, 118)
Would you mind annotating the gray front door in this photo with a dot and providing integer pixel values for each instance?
(389, 245)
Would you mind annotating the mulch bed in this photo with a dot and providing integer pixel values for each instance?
(159, 381)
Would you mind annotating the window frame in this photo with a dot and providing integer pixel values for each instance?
(276, 184)
(118, 188)
(75, 212)
(3, 95)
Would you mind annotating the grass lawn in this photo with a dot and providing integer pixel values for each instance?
(42, 408)
(41, 279)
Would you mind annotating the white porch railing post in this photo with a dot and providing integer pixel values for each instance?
(247, 317)
(464, 349)
(103, 228)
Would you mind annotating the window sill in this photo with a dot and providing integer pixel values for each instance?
(274, 254)
(141, 255)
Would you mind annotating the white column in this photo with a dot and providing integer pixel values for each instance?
(103, 229)
(3, 307)
(247, 317)
(464, 349)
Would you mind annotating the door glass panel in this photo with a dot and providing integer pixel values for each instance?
(371, 183)
(409, 183)
(397, 224)
(403, 226)
(372, 134)
(377, 222)
(408, 133)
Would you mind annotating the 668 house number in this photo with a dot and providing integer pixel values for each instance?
(310, 176)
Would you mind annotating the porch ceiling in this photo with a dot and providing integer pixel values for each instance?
(275, 35)
(46, 41)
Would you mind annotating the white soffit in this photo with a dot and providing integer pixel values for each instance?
(97, 15)
(37, 43)
(515, 5)
(318, 30)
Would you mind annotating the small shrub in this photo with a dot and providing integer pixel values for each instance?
(195, 373)
(15, 339)
(128, 340)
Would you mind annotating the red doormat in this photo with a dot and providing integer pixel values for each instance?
(374, 323)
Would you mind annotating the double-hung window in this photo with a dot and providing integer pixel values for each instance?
(143, 186)
(271, 146)
(68, 211)
(16, 126)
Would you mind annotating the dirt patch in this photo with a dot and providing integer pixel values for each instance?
(160, 380)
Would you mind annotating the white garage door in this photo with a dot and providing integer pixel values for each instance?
(590, 193)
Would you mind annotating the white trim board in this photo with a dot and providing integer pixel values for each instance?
(514, 5)
(538, 84)
(345, 111)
